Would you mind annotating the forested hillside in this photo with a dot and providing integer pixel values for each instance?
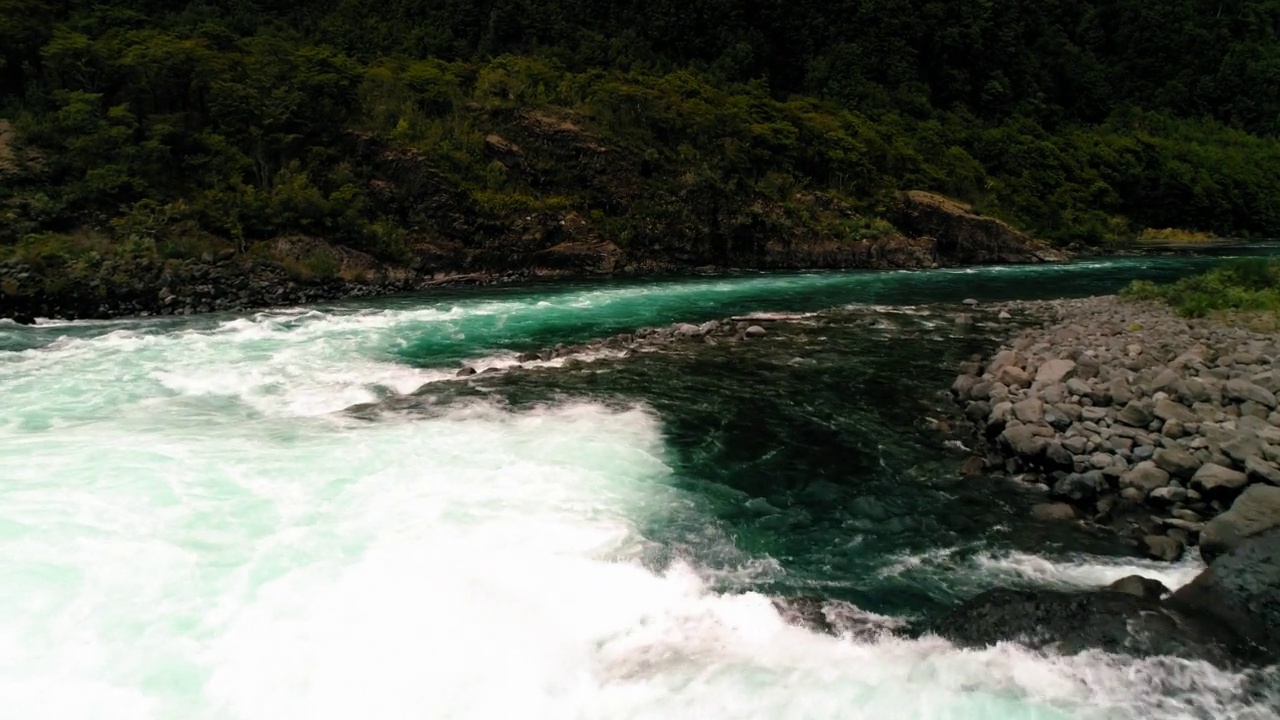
(463, 133)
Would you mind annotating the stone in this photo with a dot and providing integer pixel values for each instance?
(1134, 415)
(972, 466)
(969, 302)
(1053, 512)
(1145, 476)
(1241, 591)
(1165, 379)
(1215, 480)
(1079, 487)
(1174, 429)
(1161, 547)
(1029, 411)
(1167, 495)
(1000, 413)
(687, 330)
(755, 331)
(1241, 390)
(1023, 441)
(1140, 586)
(1177, 462)
(1262, 470)
(1076, 386)
(1255, 511)
(1169, 410)
(1002, 360)
(1076, 445)
(1094, 414)
(1004, 315)
(1055, 371)
(963, 385)
(1056, 454)
(1013, 377)
(465, 372)
(1119, 391)
(1241, 447)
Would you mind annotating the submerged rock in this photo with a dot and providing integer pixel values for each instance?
(1074, 622)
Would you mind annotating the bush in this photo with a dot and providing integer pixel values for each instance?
(1245, 284)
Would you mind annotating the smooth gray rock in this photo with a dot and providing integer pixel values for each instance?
(755, 331)
(1139, 586)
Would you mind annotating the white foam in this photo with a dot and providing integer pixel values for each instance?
(1090, 571)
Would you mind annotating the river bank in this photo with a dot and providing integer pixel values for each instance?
(1130, 416)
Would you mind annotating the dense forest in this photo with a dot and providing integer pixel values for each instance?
(410, 128)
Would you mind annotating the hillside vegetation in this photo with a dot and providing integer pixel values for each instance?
(473, 133)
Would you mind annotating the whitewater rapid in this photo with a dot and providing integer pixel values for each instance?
(189, 528)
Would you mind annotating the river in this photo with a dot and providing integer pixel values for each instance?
(192, 527)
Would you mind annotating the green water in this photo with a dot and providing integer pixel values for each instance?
(191, 526)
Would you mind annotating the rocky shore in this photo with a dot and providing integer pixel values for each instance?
(1127, 415)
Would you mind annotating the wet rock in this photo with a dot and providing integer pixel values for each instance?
(1053, 512)
(1257, 510)
(1240, 590)
(466, 372)
(1139, 586)
(1162, 547)
(1074, 622)
(755, 331)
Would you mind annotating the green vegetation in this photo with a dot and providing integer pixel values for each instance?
(412, 129)
(1245, 285)
(1174, 236)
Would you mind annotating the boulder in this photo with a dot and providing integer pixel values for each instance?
(1135, 415)
(1145, 476)
(1176, 461)
(1055, 371)
(1162, 547)
(1030, 411)
(1262, 470)
(1241, 590)
(1215, 480)
(1013, 377)
(1255, 511)
(755, 331)
(1023, 441)
(1169, 410)
(1139, 586)
(1053, 512)
(1241, 390)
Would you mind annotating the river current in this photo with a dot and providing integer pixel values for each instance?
(193, 526)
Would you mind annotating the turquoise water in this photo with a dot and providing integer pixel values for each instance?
(191, 526)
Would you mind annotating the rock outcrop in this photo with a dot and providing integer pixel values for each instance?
(963, 237)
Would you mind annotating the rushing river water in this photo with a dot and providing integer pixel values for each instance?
(192, 527)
